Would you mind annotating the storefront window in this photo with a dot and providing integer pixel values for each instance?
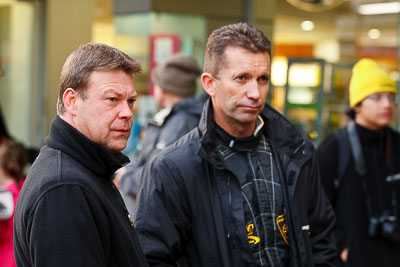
(19, 79)
(340, 35)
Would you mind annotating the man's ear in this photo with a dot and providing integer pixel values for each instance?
(208, 82)
(69, 98)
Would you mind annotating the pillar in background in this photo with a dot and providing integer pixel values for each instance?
(68, 24)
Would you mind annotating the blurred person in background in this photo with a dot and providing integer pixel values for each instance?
(134, 138)
(242, 188)
(13, 159)
(69, 212)
(174, 83)
(355, 163)
(4, 136)
(3, 129)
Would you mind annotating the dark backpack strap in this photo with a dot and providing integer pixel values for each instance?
(356, 149)
(349, 144)
(344, 155)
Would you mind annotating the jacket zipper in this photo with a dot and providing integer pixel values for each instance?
(121, 201)
(297, 149)
(229, 190)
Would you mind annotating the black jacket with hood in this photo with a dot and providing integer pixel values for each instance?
(160, 133)
(69, 212)
(180, 212)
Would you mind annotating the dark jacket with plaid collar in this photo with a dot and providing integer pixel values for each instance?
(180, 212)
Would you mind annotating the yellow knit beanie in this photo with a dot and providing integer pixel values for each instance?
(369, 78)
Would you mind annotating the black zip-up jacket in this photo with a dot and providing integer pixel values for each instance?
(69, 212)
(180, 212)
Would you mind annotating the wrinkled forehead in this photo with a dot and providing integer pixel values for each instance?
(240, 58)
(110, 80)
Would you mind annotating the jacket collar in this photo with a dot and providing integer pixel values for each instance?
(235, 143)
(208, 136)
(282, 134)
(190, 105)
(96, 158)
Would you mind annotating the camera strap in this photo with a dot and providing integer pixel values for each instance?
(356, 150)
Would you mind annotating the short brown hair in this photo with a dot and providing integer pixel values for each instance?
(13, 159)
(88, 58)
(234, 35)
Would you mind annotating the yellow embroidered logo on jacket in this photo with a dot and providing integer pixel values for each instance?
(282, 226)
(250, 234)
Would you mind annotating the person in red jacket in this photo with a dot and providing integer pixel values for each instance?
(13, 159)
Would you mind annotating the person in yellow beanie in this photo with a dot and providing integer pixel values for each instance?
(369, 78)
(358, 167)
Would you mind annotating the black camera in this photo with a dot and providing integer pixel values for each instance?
(385, 226)
(393, 179)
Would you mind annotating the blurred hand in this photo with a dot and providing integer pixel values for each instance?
(344, 254)
(118, 175)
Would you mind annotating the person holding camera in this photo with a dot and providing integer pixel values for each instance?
(359, 167)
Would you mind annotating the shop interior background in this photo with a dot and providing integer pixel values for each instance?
(315, 45)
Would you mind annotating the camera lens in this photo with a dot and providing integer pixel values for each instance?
(390, 229)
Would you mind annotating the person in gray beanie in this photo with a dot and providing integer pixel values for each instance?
(177, 75)
(174, 83)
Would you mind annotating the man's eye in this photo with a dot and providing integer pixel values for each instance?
(131, 102)
(240, 78)
(112, 99)
(263, 79)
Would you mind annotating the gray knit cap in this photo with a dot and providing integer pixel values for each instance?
(177, 75)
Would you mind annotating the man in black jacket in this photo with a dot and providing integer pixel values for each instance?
(69, 212)
(174, 89)
(354, 164)
(241, 189)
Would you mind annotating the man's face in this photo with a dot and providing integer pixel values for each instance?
(106, 115)
(241, 89)
(376, 110)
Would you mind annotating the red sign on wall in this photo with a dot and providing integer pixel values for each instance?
(161, 47)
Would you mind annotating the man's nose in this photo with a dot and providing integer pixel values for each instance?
(126, 110)
(253, 90)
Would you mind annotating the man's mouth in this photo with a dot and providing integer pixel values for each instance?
(251, 108)
(121, 130)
